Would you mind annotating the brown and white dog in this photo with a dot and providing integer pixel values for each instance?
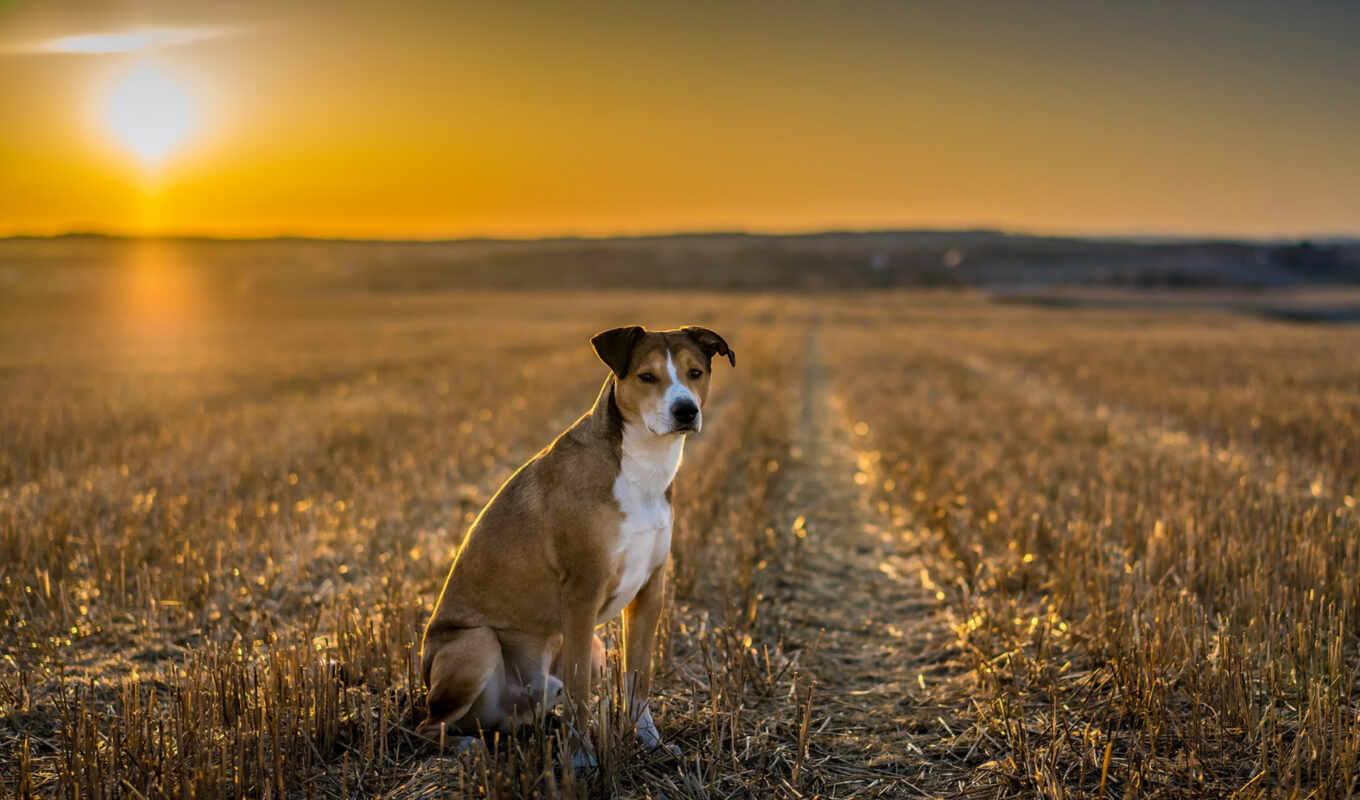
(579, 533)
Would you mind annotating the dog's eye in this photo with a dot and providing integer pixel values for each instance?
(695, 374)
(646, 377)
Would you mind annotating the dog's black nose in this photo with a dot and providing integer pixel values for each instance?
(685, 412)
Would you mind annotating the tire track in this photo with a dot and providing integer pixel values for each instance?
(877, 641)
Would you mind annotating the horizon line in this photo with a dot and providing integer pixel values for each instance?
(1148, 237)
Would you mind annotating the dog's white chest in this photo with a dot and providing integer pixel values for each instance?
(647, 465)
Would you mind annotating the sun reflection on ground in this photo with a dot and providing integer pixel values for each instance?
(156, 292)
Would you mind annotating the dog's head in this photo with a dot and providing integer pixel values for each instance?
(661, 377)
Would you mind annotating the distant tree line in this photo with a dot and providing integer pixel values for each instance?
(1319, 262)
(89, 265)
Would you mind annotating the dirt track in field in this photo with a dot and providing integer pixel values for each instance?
(877, 640)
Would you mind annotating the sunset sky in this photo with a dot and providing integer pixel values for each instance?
(446, 119)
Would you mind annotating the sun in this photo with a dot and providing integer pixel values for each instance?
(150, 113)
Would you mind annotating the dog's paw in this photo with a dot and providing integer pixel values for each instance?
(554, 694)
(464, 744)
(649, 738)
(584, 760)
(448, 740)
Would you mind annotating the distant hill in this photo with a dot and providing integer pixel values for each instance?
(834, 260)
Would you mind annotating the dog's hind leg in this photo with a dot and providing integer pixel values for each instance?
(465, 674)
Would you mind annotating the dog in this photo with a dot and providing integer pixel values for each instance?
(577, 535)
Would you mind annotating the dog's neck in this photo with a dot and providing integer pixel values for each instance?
(648, 461)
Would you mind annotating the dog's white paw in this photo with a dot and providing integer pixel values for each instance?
(582, 754)
(584, 760)
(649, 738)
(449, 741)
(464, 744)
(553, 692)
(666, 748)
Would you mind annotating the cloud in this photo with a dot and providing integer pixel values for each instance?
(128, 41)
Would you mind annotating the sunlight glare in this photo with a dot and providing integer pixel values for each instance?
(150, 113)
(130, 41)
(101, 43)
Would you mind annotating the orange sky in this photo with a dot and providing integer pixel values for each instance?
(438, 119)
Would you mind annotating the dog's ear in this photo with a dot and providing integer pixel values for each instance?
(711, 343)
(615, 347)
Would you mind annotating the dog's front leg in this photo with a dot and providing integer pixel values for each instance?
(577, 673)
(639, 637)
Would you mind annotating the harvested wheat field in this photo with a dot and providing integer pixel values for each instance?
(925, 546)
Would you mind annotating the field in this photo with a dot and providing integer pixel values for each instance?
(927, 545)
